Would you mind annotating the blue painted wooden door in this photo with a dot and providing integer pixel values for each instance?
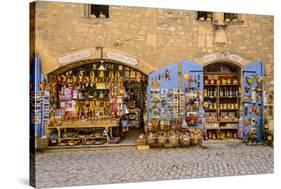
(193, 69)
(168, 80)
(192, 80)
(253, 98)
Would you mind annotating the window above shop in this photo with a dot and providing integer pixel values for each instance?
(230, 17)
(99, 11)
(204, 16)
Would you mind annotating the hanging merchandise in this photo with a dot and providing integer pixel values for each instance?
(253, 96)
(170, 104)
(253, 102)
(250, 80)
(155, 103)
(172, 109)
(92, 95)
(194, 92)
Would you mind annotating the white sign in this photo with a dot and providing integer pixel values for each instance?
(75, 56)
(210, 58)
(222, 55)
(235, 58)
(122, 58)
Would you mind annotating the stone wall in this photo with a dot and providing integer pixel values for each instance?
(158, 36)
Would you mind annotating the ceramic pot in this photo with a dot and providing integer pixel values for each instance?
(259, 80)
(250, 80)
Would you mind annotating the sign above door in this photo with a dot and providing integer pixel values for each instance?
(122, 58)
(76, 56)
(222, 55)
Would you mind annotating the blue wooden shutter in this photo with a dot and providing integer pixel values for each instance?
(253, 69)
(193, 69)
(171, 83)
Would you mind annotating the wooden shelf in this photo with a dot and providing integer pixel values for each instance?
(228, 120)
(212, 128)
(210, 84)
(222, 120)
(226, 128)
(229, 97)
(211, 120)
(89, 99)
(216, 75)
(223, 128)
(219, 74)
(70, 138)
(225, 85)
(95, 138)
(210, 97)
(206, 109)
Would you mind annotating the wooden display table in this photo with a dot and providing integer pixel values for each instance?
(107, 124)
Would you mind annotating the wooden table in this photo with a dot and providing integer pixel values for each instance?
(107, 124)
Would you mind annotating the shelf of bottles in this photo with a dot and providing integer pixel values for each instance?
(221, 93)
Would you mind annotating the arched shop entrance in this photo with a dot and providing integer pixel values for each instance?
(233, 100)
(97, 101)
(222, 100)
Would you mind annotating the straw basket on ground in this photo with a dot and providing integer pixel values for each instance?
(161, 139)
(151, 139)
(174, 140)
(185, 140)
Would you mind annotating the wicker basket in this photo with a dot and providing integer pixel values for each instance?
(151, 139)
(141, 141)
(174, 140)
(185, 141)
(161, 140)
(195, 140)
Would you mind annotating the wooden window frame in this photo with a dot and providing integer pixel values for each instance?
(86, 11)
(233, 17)
(206, 15)
(90, 6)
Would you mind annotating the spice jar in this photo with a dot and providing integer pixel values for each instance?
(229, 81)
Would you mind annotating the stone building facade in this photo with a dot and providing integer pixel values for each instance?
(155, 37)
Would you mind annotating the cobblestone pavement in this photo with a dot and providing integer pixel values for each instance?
(102, 166)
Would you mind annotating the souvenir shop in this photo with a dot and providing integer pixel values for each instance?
(101, 101)
(189, 103)
(96, 102)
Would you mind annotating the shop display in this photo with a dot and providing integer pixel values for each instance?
(103, 98)
(170, 104)
(174, 112)
(134, 102)
(185, 139)
(90, 94)
(155, 106)
(253, 102)
(164, 109)
(221, 101)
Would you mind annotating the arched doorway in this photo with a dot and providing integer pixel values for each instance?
(88, 95)
(222, 99)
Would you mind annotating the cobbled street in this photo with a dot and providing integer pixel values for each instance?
(103, 166)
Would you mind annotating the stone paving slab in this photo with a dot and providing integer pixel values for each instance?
(104, 166)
